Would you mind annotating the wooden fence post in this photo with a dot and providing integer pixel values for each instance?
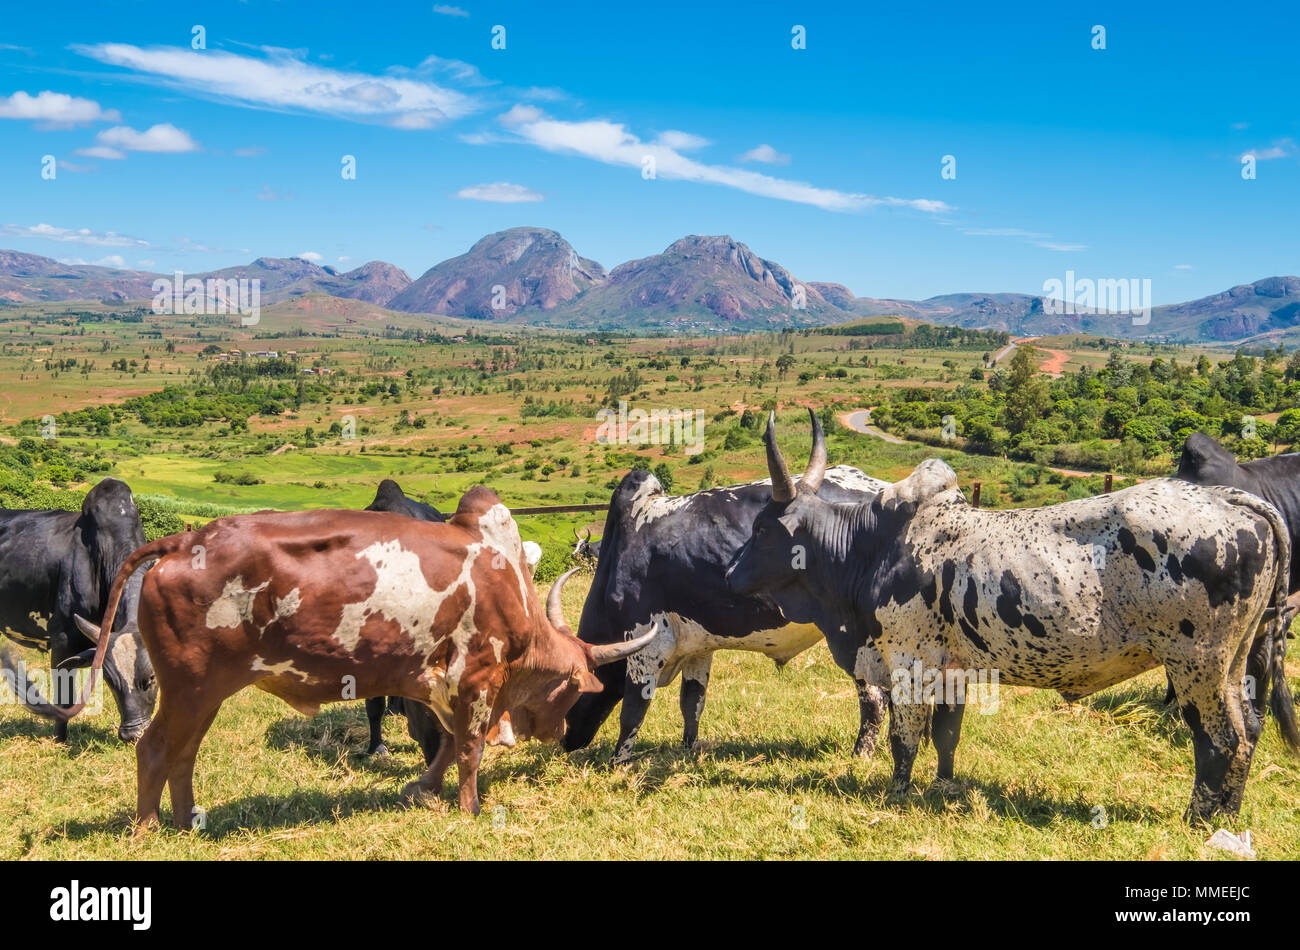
(975, 495)
(1109, 477)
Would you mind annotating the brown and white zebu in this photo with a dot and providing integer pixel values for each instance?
(323, 606)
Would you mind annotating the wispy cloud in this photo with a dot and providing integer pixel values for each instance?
(86, 236)
(1182, 267)
(251, 151)
(1036, 238)
(270, 194)
(55, 109)
(446, 10)
(502, 192)
(612, 144)
(310, 256)
(1279, 149)
(284, 81)
(765, 154)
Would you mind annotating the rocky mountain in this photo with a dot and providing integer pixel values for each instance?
(535, 268)
(699, 282)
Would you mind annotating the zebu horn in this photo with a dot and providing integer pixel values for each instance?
(602, 653)
(783, 488)
(812, 477)
(554, 612)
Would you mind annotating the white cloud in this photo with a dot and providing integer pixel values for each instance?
(767, 155)
(611, 143)
(55, 109)
(163, 137)
(252, 151)
(446, 10)
(680, 141)
(502, 192)
(112, 260)
(86, 236)
(284, 81)
(1057, 246)
(311, 256)
(1279, 149)
(343, 258)
(101, 151)
(270, 194)
(1182, 267)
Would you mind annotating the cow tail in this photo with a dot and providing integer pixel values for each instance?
(140, 556)
(1280, 699)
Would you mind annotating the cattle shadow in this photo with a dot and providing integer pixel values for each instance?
(83, 735)
(256, 813)
(819, 770)
(341, 734)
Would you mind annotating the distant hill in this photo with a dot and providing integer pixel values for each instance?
(27, 278)
(698, 284)
(534, 268)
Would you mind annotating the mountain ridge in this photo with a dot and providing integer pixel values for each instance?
(699, 283)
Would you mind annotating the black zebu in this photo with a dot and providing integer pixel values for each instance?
(662, 563)
(56, 569)
(1276, 480)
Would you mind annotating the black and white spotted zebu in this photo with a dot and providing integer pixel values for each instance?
(1074, 597)
(662, 564)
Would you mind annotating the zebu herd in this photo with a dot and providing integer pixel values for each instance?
(437, 616)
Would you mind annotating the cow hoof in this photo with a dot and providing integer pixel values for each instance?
(415, 795)
(379, 750)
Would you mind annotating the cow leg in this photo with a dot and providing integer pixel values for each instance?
(429, 784)
(1259, 669)
(423, 726)
(165, 754)
(639, 688)
(375, 716)
(695, 680)
(872, 702)
(1214, 711)
(180, 777)
(469, 752)
(907, 722)
(946, 735)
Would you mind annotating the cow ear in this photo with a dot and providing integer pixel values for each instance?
(587, 681)
(85, 626)
(80, 661)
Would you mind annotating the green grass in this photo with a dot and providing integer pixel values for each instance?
(773, 778)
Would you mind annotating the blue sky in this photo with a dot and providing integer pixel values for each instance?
(1120, 162)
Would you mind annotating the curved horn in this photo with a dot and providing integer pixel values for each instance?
(554, 613)
(576, 535)
(86, 627)
(812, 476)
(602, 653)
(783, 488)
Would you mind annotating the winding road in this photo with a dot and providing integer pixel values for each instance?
(859, 420)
